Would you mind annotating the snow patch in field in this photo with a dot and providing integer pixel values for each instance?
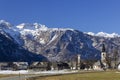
(14, 72)
(35, 72)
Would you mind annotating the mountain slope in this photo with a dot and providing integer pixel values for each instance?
(10, 50)
(56, 44)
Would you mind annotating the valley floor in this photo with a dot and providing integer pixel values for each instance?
(60, 75)
(25, 74)
(108, 75)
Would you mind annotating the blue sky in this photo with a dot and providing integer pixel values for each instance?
(84, 15)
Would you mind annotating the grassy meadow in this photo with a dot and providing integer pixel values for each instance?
(5, 75)
(108, 75)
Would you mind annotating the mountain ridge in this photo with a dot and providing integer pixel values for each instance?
(103, 34)
(36, 26)
(59, 44)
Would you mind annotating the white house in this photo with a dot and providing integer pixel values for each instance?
(118, 67)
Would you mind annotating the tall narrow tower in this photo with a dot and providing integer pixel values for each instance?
(78, 61)
(103, 54)
(103, 57)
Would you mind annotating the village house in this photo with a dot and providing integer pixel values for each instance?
(13, 66)
(62, 65)
(97, 66)
(20, 65)
(44, 66)
(6, 66)
(40, 66)
(118, 67)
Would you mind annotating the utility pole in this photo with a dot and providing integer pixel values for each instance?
(19, 76)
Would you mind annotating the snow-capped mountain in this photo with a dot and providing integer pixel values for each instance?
(56, 44)
(104, 34)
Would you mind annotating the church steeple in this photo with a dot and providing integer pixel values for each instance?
(103, 57)
(103, 48)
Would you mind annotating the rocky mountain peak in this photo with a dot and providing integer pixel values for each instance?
(58, 44)
(28, 26)
(5, 24)
(104, 34)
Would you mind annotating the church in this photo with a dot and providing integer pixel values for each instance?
(102, 63)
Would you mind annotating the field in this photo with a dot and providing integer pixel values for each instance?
(3, 75)
(108, 75)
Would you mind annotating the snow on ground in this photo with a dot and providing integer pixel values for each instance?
(14, 72)
(37, 72)
(58, 72)
(54, 37)
(61, 29)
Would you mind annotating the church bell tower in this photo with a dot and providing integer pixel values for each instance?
(78, 61)
(103, 57)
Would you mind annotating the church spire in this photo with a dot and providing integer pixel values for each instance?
(103, 48)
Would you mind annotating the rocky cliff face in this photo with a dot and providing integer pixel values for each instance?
(11, 51)
(35, 41)
(60, 44)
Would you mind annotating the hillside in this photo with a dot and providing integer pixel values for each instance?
(38, 42)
